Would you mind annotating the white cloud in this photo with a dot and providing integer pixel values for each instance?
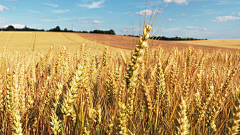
(93, 5)
(3, 7)
(239, 13)
(14, 8)
(171, 19)
(15, 25)
(192, 28)
(143, 12)
(232, 13)
(177, 1)
(95, 21)
(52, 5)
(148, 12)
(183, 14)
(60, 11)
(225, 18)
(2, 21)
(85, 21)
(195, 28)
(205, 29)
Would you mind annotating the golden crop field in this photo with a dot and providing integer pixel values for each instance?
(69, 89)
(227, 43)
(63, 84)
(42, 41)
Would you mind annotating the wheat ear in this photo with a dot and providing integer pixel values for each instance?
(183, 119)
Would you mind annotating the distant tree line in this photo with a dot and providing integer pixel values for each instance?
(11, 28)
(174, 38)
(111, 32)
(169, 38)
(57, 29)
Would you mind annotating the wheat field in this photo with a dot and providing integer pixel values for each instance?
(79, 87)
(42, 41)
(227, 43)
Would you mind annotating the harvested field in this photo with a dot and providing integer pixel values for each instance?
(127, 42)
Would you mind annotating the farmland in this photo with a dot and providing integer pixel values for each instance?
(226, 43)
(42, 41)
(128, 42)
(100, 86)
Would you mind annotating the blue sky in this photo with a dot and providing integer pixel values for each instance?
(212, 19)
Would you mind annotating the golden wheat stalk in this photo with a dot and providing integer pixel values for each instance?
(183, 129)
(234, 130)
(71, 94)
